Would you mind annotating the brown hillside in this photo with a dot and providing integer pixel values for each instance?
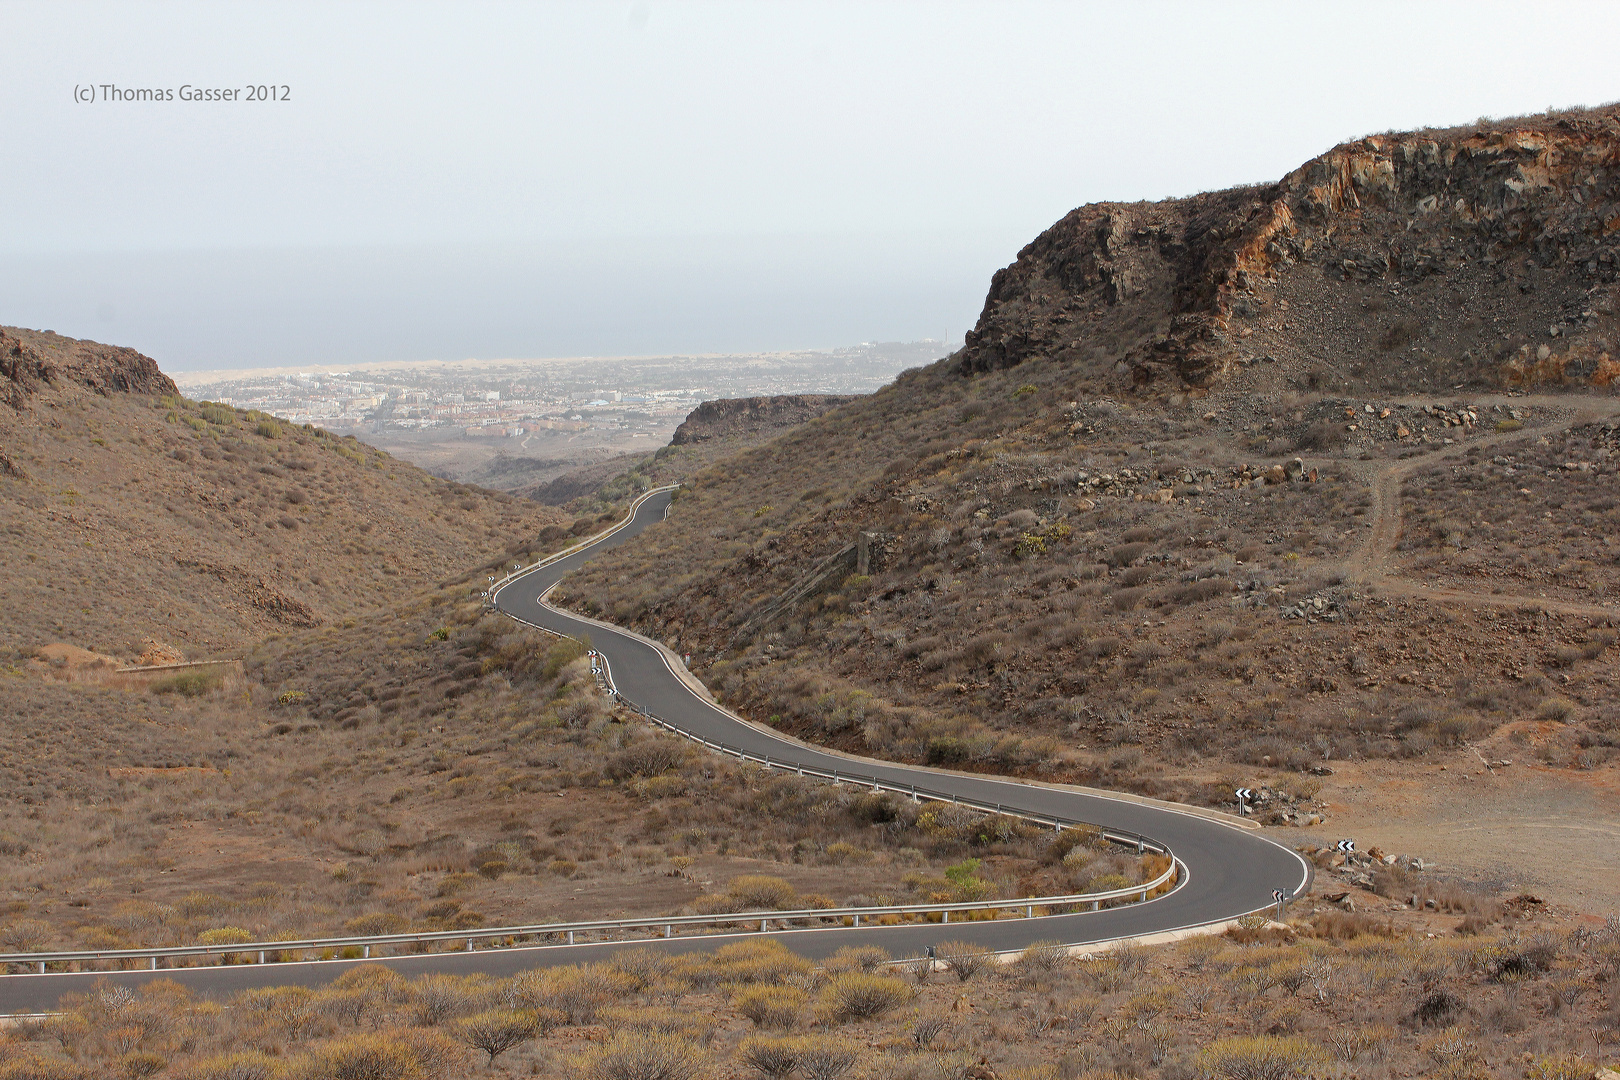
(132, 516)
(742, 418)
(713, 430)
(1079, 574)
(1482, 256)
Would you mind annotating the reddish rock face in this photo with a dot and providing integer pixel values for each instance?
(1493, 248)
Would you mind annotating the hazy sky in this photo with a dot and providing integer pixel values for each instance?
(550, 179)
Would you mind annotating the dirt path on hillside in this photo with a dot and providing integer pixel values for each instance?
(1373, 561)
(1523, 828)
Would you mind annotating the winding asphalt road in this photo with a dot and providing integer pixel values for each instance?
(1229, 870)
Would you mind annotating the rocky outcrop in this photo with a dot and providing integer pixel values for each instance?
(31, 360)
(1499, 241)
(753, 417)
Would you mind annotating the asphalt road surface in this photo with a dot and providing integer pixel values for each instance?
(1229, 870)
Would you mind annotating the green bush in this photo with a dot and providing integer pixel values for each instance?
(560, 655)
(219, 415)
(946, 750)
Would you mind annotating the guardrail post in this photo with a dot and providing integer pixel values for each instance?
(261, 958)
(945, 917)
(857, 920)
(1144, 894)
(42, 967)
(365, 952)
(153, 965)
(469, 944)
(668, 930)
(1139, 845)
(571, 937)
(1096, 905)
(1029, 911)
(762, 925)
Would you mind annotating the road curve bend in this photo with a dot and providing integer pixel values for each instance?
(1228, 870)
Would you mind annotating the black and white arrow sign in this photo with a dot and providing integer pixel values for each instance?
(1346, 846)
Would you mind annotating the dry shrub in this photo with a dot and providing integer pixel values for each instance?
(643, 965)
(495, 1031)
(966, 959)
(856, 958)
(652, 755)
(764, 961)
(762, 892)
(438, 998)
(824, 1057)
(697, 1027)
(397, 1054)
(716, 904)
(643, 1055)
(1559, 1067)
(1354, 1043)
(1347, 925)
(577, 993)
(37, 1068)
(855, 996)
(229, 1067)
(373, 924)
(774, 1059)
(362, 991)
(771, 1006)
(1267, 1057)
(1438, 1006)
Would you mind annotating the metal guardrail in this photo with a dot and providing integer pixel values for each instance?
(568, 931)
(1118, 836)
(513, 575)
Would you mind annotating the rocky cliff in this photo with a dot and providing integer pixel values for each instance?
(753, 417)
(31, 359)
(1480, 256)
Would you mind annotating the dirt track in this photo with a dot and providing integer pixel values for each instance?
(1549, 831)
(1373, 561)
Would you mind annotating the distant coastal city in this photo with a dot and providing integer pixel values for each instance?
(511, 423)
(643, 396)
